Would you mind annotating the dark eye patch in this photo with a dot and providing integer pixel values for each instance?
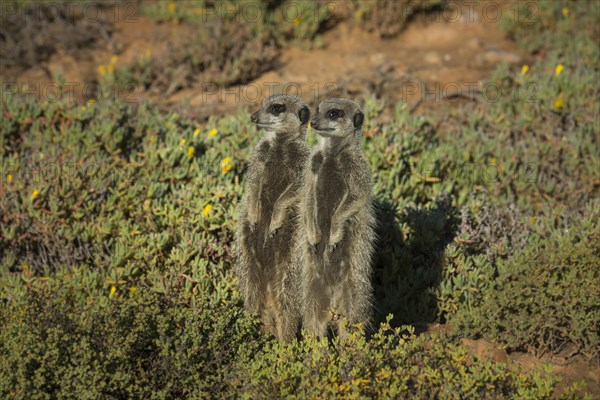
(276, 109)
(334, 113)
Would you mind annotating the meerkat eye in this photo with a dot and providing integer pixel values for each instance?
(335, 113)
(276, 109)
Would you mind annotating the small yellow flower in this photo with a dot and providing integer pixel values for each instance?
(152, 139)
(190, 152)
(111, 69)
(197, 132)
(493, 160)
(83, 108)
(533, 219)
(226, 165)
(183, 141)
(113, 290)
(213, 132)
(359, 14)
(383, 374)
(9, 178)
(296, 21)
(102, 70)
(358, 381)
(559, 103)
(171, 7)
(206, 210)
(91, 101)
(114, 59)
(524, 69)
(565, 11)
(132, 289)
(148, 52)
(35, 194)
(559, 68)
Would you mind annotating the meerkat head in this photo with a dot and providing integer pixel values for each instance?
(281, 114)
(338, 118)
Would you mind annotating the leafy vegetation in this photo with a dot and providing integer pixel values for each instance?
(31, 33)
(231, 42)
(388, 18)
(118, 222)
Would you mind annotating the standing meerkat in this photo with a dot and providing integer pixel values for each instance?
(268, 274)
(337, 223)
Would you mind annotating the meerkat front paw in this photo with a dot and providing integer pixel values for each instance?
(253, 217)
(313, 241)
(273, 228)
(334, 238)
(332, 246)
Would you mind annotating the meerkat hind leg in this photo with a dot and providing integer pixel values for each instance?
(317, 315)
(342, 310)
(270, 317)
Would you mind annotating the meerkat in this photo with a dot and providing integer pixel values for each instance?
(268, 275)
(336, 233)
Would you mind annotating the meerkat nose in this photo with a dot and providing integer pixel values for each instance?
(254, 117)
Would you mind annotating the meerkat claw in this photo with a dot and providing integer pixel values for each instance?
(312, 247)
(272, 233)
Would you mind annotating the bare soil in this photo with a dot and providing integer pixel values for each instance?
(434, 61)
(568, 365)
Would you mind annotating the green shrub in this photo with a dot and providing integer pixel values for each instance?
(543, 24)
(135, 270)
(388, 18)
(392, 364)
(545, 296)
(148, 345)
(142, 345)
(230, 42)
(32, 31)
(116, 245)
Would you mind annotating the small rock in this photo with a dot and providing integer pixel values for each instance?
(377, 58)
(497, 56)
(484, 350)
(432, 57)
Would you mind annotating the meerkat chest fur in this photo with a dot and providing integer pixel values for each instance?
(331, 182)
(283, 162)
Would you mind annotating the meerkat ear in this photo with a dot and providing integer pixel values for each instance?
(358, 119)
(304, 115)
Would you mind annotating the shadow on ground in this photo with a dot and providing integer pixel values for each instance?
(408, 260)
